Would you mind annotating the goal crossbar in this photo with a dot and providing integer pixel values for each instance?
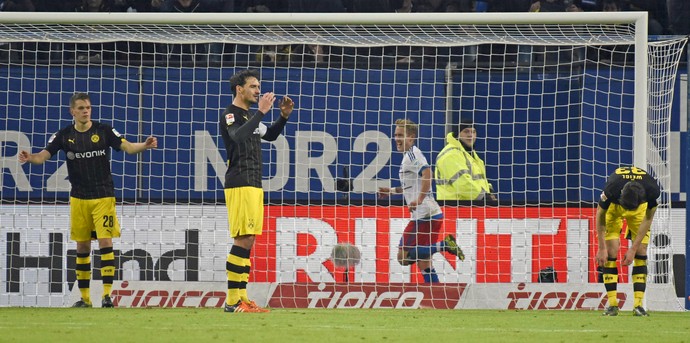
(322, 18)
(365, 29)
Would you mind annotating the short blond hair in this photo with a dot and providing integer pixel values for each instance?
(409, 126)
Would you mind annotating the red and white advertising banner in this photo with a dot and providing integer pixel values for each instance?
(175, 243)
(520, 296)
(367, 295)
(502, 244)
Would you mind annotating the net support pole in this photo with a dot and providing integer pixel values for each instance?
(687, 191)
(449, 100)
(640, 112)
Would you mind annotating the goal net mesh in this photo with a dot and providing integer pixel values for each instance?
(553, 105)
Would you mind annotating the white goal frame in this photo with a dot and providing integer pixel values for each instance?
(306, 28)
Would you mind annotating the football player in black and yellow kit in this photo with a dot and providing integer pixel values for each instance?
(630, 194)
(242, 132)
(87, 144)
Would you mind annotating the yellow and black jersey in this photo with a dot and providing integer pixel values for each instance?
(88, 158)
(242, 132)
(614, 186)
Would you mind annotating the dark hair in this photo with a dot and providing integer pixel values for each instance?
(464, 123)
(78, 96)
(632, 195)
(240, 78)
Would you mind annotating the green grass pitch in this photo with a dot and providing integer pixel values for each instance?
(330, 325)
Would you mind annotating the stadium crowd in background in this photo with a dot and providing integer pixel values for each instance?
(666, 16)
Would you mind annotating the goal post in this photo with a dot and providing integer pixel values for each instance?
(686, 170)
(559, 101)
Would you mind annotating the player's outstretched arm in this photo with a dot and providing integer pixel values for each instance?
(38, 158)
(385, 192)
(135, 148)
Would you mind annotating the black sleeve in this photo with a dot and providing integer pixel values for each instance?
(653, 193)
(611, 191)
(276, 128)
(114, 138)
(652, 204)
(241, 133)
(54, 143)
(604, 201)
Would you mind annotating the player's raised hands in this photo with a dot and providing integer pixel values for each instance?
(266, 102)
(286, 106)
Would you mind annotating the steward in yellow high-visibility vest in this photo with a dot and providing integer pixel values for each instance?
(460, 172)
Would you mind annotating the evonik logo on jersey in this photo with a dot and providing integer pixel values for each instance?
(89, 154)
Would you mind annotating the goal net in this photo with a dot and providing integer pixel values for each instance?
(559, 101)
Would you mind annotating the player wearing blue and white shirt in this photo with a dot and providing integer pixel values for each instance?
(412, 170)
(420, 238)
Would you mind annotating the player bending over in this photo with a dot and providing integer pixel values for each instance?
(630, 193)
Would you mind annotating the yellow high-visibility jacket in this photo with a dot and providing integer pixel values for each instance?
(460, 175)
